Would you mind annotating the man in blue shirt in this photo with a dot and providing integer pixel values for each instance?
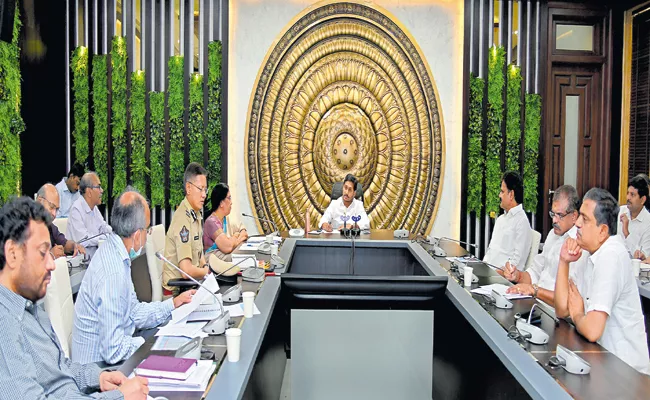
(32, 363)
(68, 190)
(107, 310)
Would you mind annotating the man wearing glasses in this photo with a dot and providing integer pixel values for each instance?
(184, 240)
(86, 224)
(48, 196)
(107, 310)
(539, 280)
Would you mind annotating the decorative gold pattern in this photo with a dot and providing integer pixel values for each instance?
(345, 90)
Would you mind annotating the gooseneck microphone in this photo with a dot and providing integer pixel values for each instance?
(218, 325)
(92, 237)
(458, 241)
(277, 231)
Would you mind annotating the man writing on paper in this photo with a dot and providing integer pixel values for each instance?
(345, 205)
(107, 311)
(539, 280)
(512, 235)
(604, 301)
(48, 196)
(85, 220)
(634, 219)
(184, 240)
(32, 362)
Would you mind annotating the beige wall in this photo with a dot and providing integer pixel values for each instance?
(436, 26)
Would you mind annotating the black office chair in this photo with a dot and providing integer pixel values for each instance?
(337, 191)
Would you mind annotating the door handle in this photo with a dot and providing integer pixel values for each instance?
(551, 192)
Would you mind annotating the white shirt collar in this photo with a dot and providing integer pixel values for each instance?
(65, 186)
(85, 205)
(594, 257)
(515, 210)
(643, 216)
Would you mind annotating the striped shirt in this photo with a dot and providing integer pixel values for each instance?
(32, 363)
(107, 311)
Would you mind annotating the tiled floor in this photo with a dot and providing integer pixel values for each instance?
(285, 393)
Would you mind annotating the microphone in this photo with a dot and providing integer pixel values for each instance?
(218, 325)
(232, 266)
(277, 231)
(92, 237)
(458, 241)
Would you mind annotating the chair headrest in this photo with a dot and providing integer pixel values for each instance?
(337, 191)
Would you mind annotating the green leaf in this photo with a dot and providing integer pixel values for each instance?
(196, 131)
(139, 169)
(118, 113)
(513, 120)
(213, 132)
(475, 154)
(176, 141)
(531, 148)
(81, 91)
(496, 84)
(100, 117)
(157, 146)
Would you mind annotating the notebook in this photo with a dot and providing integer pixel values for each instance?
(156, 366)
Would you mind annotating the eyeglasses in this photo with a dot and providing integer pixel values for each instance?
(52, 206)
(559, 215)
(95, 187)
(229, 198)
(201, 189)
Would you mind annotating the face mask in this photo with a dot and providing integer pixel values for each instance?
(134, 254)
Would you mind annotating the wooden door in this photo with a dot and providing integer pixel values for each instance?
(577, 109)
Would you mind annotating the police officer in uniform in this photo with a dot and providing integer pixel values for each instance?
(184, 240)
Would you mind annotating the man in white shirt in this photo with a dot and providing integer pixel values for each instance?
(604, 301)
(512, 234)
(68, 190)
(634, 219)
(345, 205)
(539, 280)
(85, 223)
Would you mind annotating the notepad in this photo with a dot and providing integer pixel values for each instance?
(166, 367)
(501, 289)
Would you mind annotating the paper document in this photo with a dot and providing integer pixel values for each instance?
(190, 330)
(183, 311)
(237, 310)
(196, 382)
(499, 288)
(170, 342)
(260, 239)
(248, 261)
(205, 312)
(249, 247)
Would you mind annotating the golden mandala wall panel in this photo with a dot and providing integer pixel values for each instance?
(345, 90)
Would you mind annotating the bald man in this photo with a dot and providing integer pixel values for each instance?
(107, 311)
(48, 196)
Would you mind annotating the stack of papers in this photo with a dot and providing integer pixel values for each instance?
(499, 288)
(189, 330)
(179, 315)
(196, 382)
(237, 310)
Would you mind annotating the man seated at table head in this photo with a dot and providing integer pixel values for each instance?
(33, 365)
(184, 239)
(539, 280)
(85, 223)
(512, 235)
(107, 310)
(345, 205)
(220, 233)
(48, 196)
(634, 219)
(647, 179)
(603, 301)
(68, 189)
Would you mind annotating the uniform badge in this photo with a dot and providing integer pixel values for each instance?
(185, 235)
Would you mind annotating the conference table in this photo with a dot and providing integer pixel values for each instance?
(471, 340)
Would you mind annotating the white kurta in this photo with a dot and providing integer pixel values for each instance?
(511, 239)
(639, 227)
(337, 209)
(543, 270)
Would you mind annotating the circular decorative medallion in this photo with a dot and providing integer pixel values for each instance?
(345, 90)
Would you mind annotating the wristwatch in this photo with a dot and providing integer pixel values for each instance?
(536, 288)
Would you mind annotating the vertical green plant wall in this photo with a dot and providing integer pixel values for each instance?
(79, 66)
(156, 147)
(139, 169)
(11, 123)
(196, 119)
(100, 117)
(214, 113)
(513, 120)
(496, 83)
(176, 141)
(531, 148)
(118, 113)
(475, 156)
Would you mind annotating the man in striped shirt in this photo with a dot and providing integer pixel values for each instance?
(32, 363)
(107, 311)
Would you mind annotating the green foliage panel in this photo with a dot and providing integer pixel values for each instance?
(475, 155)
(496, 83)
(157, 147)
(513, 120)
(11, 123)
(531, 147)
(100, 117)
(81, 93)
(196, 119)
(176, 141)
(213, 132)
(118, 112)
(139, 169)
